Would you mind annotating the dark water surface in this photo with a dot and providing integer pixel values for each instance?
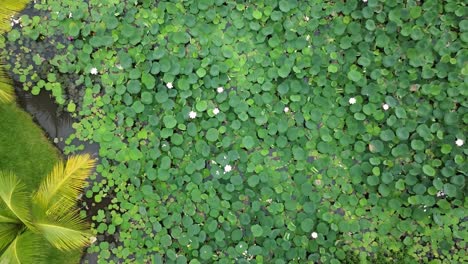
(56, 123)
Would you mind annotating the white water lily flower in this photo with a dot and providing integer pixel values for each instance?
(220, 89)
(192, 114)
(459, 142)
(216, 111)
(385, 107)
(352, 100)
(15, 21)
(227, 168)
(314, 235)
(93, 71)
(286, 109)
(306, 18)
(70, 15)
(92, 239)
(169, 85)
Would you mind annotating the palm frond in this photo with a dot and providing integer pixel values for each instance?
(66, 231)
(15, 197)
(8, 233)
(6, 91)
(6, 87)
(9, 8)
(6, 217)
(65, 182)
(24, 249)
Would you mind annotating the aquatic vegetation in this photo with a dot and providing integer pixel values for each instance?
(8, 9)
(275, 131)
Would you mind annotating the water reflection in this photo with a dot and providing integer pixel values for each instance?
(57, 124)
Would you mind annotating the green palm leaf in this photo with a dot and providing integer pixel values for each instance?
(25, 249)
(6, 90)
(14, 198)
(7, 218)
(64, 183)
(8, 233)
(66, 231)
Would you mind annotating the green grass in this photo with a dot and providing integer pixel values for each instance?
(25, 150)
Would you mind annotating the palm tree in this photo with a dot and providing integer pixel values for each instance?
(49, 215)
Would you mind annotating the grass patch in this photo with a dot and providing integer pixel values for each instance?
(24, 149)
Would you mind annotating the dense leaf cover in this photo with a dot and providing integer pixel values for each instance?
(268, 131)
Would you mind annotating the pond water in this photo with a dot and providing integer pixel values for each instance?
(56, 123)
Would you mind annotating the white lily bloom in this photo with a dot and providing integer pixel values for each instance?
(314, 235)
(227, 168)
(286, 109)
(459, 142)
(220, 89)
(169, 85)
(192, 114)
(385, 107)
(15, 21)
(93, 71)
(352, 100)
(216, 111)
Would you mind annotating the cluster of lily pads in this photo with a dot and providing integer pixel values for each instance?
(271, 131)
